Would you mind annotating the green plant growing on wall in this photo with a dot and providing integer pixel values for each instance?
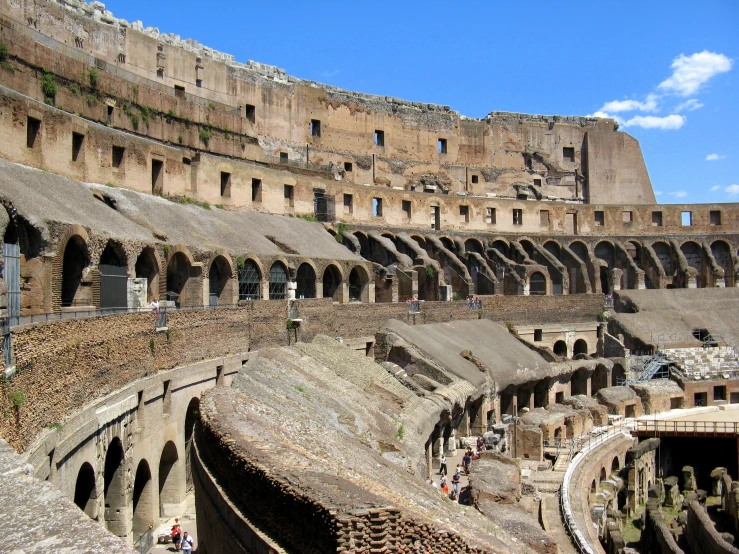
(211, 106)
(290, 324)
(430, 271)
(94, 77)
(48, 87)
(135, 91)
(400, 433)
(205, 135)
(168, 334)
(17, 398)
(56, 426)
(341, 228)
(146, 114)
(3, 52)
(135, 122)
(152, 346)
(456, 297)
(170, 116)
(92, 101)
(602, 317)
(74, 88)
(240, 263)
(165, 248)
(179, 139)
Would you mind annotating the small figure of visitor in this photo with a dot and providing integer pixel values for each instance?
(443, 484)
(455, 485)
(442, 465)
(187, 543)
(176, 533)
(466, 460)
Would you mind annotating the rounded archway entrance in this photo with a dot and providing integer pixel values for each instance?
(358, 281)
(537, 284)
(169, 481)
(114, 491)
(85, 496)
(76, 259)
(305, 281)
(332, 283)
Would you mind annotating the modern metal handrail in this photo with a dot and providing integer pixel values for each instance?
(688, 427)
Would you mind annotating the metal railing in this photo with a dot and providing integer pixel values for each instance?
(145, 542)
(718, 428)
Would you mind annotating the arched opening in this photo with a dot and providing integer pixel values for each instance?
(169, 489)
(605, 285)
(473, 245)
(528, 247)
(664, 255)
(143, 504)
(306, 281)
(76, 259)
(603, 475)
(420, 240)
(501, 246)
(358, 281)
(148, 268)
(178, 274)
(580, 347)
(12, 270)
(85, 496)
(250, 281)
(604, 251)
(332, 283)
(277, 281)
(593, 487)
(113, 278)
(722, 254)
(618, 375)
(579, 382)
(191, 418)
(364, 248)
(114, 490)
(615, 466)
(580, 250)
(599, 380)
(219, 279)
(553, 248)
(560, 348)
(537, 284)
(448, 244)
(694, 257)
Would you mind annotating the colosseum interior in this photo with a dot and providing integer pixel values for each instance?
(272, 308)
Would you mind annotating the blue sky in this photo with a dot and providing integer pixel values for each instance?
(668, 70)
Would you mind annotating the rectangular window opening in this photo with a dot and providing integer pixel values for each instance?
(518, 216)
(219, 375)
(406, 205)
(464, 214)
(379, 138)
(436, 217)
(490, 215)
(686, 219)
(348, 167)
(627, 217)
(256, 190)
(179, 91)
(110, 114)
(475, 179)
(32, 131)
(167, 398)
(315, 128)
(538, 335)
(544, 218)
(719, 393)
(77, 140)
(118, 152)
(715, 217)
(600, 218)
(289, 194)
(559, 397)
(225, 184)
(656, 219)
(157, 177)
(283, 157)
(199, 83)
(537, 182)
(348, 204)
(377, 207)
(568, 154)
(250, 113)
(442, 146)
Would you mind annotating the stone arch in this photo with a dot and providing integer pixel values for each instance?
(615, 465)
(305, 279)
(693, 253)
(85, 491)
(191, 418)
(114, 488)
(537, 284)
(114, 254)
(358, 284)
(111, 280)
(618, 375)
(501, 246)
(664, 255)
(332, 280)
(599, 379)
(579, 382)
(364, 246)
(148, 267)
(603, 474)
(553, 248)
(722, 254)
(448, 243)
(75, 261)
(580, 250)
(169, 479)
(474, 245)
(250, 280)
(278, 278)
(560, 348)
(528, 247)
(179, 267)
(420, 240)
(606, 252)
(580, 347)
(143, 500)
(220, 280)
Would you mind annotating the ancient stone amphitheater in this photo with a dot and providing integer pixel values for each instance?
(349, 287)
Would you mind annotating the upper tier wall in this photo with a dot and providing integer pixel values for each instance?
(421, 144)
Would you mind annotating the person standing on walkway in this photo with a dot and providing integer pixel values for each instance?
(442, 465)
(186, 543)
(176, 534)
(455, 485)
(466, 460)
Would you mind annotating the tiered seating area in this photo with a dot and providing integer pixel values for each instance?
(705, 363)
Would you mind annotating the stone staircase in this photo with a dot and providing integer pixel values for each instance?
(562, 461)
(696, 363)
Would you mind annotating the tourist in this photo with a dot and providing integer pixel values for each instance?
(465, 495)
(442, 465)
(455, 485)
(186, 543)
(443, 484)
(155, 308)
(480, 444)
(466, 460)
(176, 534)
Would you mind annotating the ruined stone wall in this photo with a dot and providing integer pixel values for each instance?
(656, 537)
(60, 365)
(701, 534)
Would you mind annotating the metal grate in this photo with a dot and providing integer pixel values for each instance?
(250, 282)
(277, 282)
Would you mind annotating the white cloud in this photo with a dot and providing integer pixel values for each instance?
(733, 190)
(689, 105)
(678, 194)
(714, 188)
(714, 157)
(658, 193)
(649, 105)
(691, 72)
(667, 122)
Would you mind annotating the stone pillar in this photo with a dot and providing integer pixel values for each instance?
(429, 458)
(451, 443)
(319, 289)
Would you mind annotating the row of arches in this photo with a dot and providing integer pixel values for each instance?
(152, 491)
